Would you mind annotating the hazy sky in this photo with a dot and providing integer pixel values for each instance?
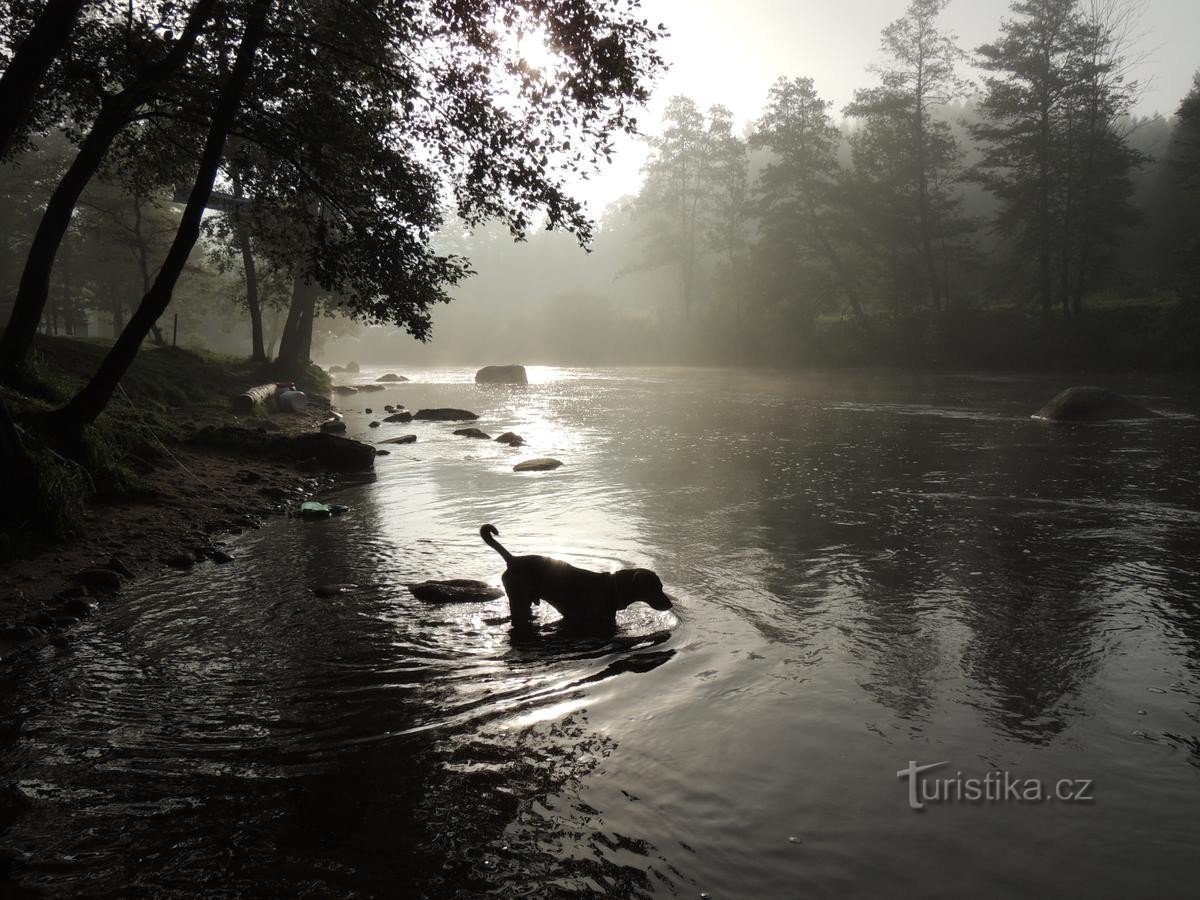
(730, 51)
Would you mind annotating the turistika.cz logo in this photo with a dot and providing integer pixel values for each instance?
(995, 787)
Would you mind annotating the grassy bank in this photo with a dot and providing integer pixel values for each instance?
(166, 396)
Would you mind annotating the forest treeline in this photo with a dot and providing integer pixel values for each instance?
(1026, 219)
(1029, 219)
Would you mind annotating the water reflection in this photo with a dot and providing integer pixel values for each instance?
(869, 569)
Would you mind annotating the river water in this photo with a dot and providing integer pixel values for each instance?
(869, 569)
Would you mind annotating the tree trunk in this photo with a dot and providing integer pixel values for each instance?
(839, 268)
(115, 114)
(923, 212)
(83, 409)
(257, 352)
(28, 66)
(295, 344)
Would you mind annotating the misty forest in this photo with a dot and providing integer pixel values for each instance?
(856, 432)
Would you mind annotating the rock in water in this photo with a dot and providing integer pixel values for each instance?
(541, 464)
(352, 367)
(344, 389)
(472, 433)
(390, 377)
(399, 417)
(332, 452)
(445, 414)
(513, 440)
(369, 387)
(455, 590)
(510, 374)
(403, 439)
(1092, 404)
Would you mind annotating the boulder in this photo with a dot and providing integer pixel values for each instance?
(98, 579)
(513, 440)
(445, 414)
(352, 367)
(383, 452)
(472, 433)
(391, 378)
(333, 370)
(1092, 404)
(399, 417)
(372, 424)
(403, 439)
(510, 374)
(344, 389)
(334, 453)
(333, 426)
(541, 464)
(455, 590)
(367, 388)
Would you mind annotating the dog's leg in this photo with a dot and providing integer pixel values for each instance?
(520, 600)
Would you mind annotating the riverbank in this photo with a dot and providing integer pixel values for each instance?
(168, 472)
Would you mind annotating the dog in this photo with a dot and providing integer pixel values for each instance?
(586, 600)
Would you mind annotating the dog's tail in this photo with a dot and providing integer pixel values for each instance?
(487, 532)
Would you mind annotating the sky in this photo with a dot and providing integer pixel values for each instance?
(730, 52)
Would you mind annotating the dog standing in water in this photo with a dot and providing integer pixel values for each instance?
(586, 600)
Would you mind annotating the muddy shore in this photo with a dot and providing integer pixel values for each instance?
(192, 497)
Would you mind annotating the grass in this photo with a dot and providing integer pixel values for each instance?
(167, 395)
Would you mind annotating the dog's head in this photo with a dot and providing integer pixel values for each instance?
(633, 585)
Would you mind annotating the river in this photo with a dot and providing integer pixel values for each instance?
(869, 569)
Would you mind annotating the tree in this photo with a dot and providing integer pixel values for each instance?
(729, 213)
(116, 111)
(903, 151)
(366, 117)
(799, 187)
(30, 59)
(675, 194)
(1052, 153)
(85, 406)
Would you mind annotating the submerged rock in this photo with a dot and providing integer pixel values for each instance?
(1092, 404)
(369, 387)
(510, 374)
(541, 464)
(455, 590)
(445, 414)
(473, 433)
